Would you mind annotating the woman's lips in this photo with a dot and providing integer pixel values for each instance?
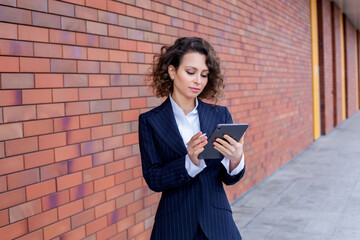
(195, 89)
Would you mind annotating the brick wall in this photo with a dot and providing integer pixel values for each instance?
(336, 48)
(73, 84)
(326, 66)
(350, 66)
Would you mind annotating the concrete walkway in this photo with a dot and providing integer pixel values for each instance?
(316, 196)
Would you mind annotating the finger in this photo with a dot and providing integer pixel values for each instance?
(223, 142)
(242, 139)
(222, 149)
(230, 139)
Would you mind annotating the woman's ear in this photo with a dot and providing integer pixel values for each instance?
(171, 71)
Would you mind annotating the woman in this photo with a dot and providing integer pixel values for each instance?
(193, 204)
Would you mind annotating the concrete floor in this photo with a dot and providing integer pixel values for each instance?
(316, 196)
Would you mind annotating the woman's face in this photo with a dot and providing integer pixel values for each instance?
(191, 77)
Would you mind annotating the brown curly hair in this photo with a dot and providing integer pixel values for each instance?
(172, 55)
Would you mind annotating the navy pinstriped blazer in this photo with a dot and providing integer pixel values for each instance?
(186, 202)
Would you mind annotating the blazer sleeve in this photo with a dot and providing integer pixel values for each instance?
(158, 175)
(227, 178)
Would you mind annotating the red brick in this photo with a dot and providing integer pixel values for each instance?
(81, 191)
(53, 170)
(11, 164)
(77, 108)
(98, 54)
(39, 5)
(49, 80)
(55, 200)
(52, 140)
(79, 164)
(101, 132)
(115, 191)
(126, 223)
(151, 200)
(34, 65)
(116, 7)
(10, 97)
(143, 215)
(16, 48)
(111, 92)
(23, 178)
(114, 167)
(4, 218)
(74, 52)
(98, 81)
(86, 13)
(12, 131)
(40, 189)
(19, 113)
(61, 8)
(16, 81)
(38, 127)
(130, 115)
(91, 147)
(138, 103)
(67, 152)
(116, 31)
(84, 39)
(89, 93)
(47, 50)
(96, 4)
(90, 120)
(132, 185)
(109, 42)
(100, 106)
(94, 199)
(43, 219)
(65, 95)
(96, 225)
(120, 104)
(130, 139)
(110, 67)
(33, 235)
(63, 37)
(96, 28)
(46, 20)
(127, 45)
(19, 146)
(112, 117)
(66, 124)
(15, 15)
(12, 198)
(57, 228)
(75, 80)
(113, 142)
(73, 24)
(14, 230)
(8, 30)
(3, 184)
(78, 233)
(2, 149)
(69, 181)
(9, 64)
(63, 66)
(106, 233)
(135, 230)
(105, 208)
(82, 218)
(24, 210)
(88, 67)
(78, 136)
(27, 33)
(70, 209)
(51, 110)
(104, 183)
(134, 11)
(124, 176)
(93, 173)
(36, 96)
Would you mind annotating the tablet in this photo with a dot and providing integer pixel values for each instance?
(236, 131)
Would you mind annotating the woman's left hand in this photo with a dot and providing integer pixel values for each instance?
(231, 149)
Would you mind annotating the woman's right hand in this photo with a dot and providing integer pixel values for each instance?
(195, 147)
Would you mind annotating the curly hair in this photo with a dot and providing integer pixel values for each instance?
(172, 55)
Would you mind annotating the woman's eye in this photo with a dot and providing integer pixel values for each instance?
(205, 76)
(191, 73)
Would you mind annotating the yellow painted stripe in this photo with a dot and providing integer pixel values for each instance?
(315, 69)
(343, 92)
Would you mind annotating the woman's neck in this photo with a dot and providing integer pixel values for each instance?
(186, 104)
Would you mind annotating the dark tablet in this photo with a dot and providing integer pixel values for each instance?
(233, 130)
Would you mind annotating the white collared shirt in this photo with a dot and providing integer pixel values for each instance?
(188, 126)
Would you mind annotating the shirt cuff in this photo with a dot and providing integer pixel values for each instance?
(191, 168)
(226, 163)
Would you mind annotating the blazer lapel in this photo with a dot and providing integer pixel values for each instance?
(207, 118)
(165, 126)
